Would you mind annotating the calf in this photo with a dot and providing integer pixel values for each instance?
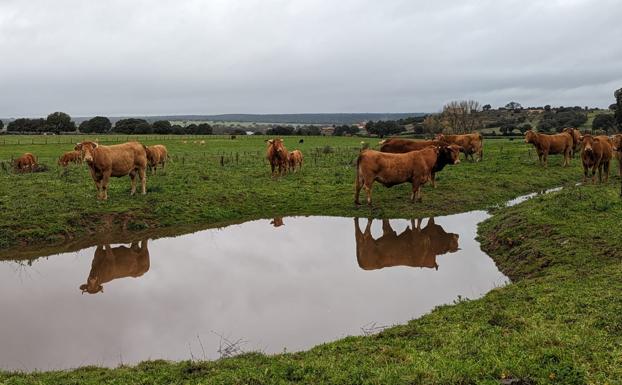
(295, 160)
(595, 154)
(156, 155)
(390, 169)
(576, 139)
(26, 162)
(471, 143)
(550, 144)
(111, 263)
(117, 161)
(70, 157)
(277, 155)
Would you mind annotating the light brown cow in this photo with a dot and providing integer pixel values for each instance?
(117, 161)
(156, 155)
(390, 169)
(414, 247)
(576, 140)
(277, 155)
(596, 154)
(471, 143)
(26, 162)
(111, 263)
(295, 160)
(70, 157)
(617, 145)
(550, 144)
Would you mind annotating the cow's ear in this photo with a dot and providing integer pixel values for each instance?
(95, 144)
(596, 139)
(581, 137)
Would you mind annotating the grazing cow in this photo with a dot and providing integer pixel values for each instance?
(617, 145)
(471, 143)
(26, 162)
(390, 169)
(111, 263)
(277, 222)
(414, 247)
(400, 146)
(156, 155)
(576, 139)
(596, 154)
(70, 157)
(277, 155)
(295, 160)
(117, 161)
(550, 144)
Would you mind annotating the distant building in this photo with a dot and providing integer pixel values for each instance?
(327, 131)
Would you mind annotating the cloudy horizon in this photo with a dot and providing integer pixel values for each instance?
(119, 58)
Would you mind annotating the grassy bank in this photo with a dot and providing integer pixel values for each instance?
(228, 180)
(559, 322)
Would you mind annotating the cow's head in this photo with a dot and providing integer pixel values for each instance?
(278, 147)
(617, 142)
(92, 286)
(440, 137)
(450, 154)
(86, 150)
(587, 143)
(530, 136)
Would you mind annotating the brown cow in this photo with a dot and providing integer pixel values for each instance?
(617, 147)
(414, 247)
(70, 157)
(117, 161)
(277, 155)
(390, 169)
(114, 263)
(295, 160)
(156, 155)
(400, 146)
(596, 153)
(471, 143)
(26, 162)
(576, 139)
(550, 144)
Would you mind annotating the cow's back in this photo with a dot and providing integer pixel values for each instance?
(121, 159)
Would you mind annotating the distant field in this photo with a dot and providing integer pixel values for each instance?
(229, 180)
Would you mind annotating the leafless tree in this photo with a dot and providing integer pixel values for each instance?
(462, 116)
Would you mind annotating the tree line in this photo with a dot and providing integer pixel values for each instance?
(60, 122)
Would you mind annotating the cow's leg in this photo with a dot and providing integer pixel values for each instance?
(433, 178)
(104, 184)
(97, 180)
(606, 171)
(368, 187)
(594, 173)
(585, 169)
(133, 182)
(357, 189)
(545, 159)
(143, 180)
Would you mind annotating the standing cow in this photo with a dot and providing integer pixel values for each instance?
(596, 154)
(550, 144)
(390, 169)
(295, 160)
(576, 139)
(156, 155)
(111, 263)
(277, 155)
(471, 143)
(117, 161)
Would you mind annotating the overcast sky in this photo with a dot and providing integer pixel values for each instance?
(118, 57)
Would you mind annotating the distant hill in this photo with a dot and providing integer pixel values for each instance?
(320, 118)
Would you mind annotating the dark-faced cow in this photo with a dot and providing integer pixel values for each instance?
(117, 160)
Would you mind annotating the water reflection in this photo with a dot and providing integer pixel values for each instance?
(110, 263)
(277, 222)
(414, 246)
(307, 283)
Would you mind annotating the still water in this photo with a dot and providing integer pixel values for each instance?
(267, 285)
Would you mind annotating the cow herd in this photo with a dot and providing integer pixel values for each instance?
(398, 161)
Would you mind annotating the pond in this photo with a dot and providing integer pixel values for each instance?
(285, 284)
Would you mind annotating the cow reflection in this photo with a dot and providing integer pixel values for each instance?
(277, 222)
(415, 247)
(111, 263)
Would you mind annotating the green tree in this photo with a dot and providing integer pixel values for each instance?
(513, 106)
(204, 129)
(27, 125)
(162, 127)
(98, 124)
(618, 114)
(383, 128)
(486, 107)
(58, 122)
(133, 126)
(1, 125)
(605, 122)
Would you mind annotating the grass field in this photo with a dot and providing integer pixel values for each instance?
(559, 322)
(227, 180)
